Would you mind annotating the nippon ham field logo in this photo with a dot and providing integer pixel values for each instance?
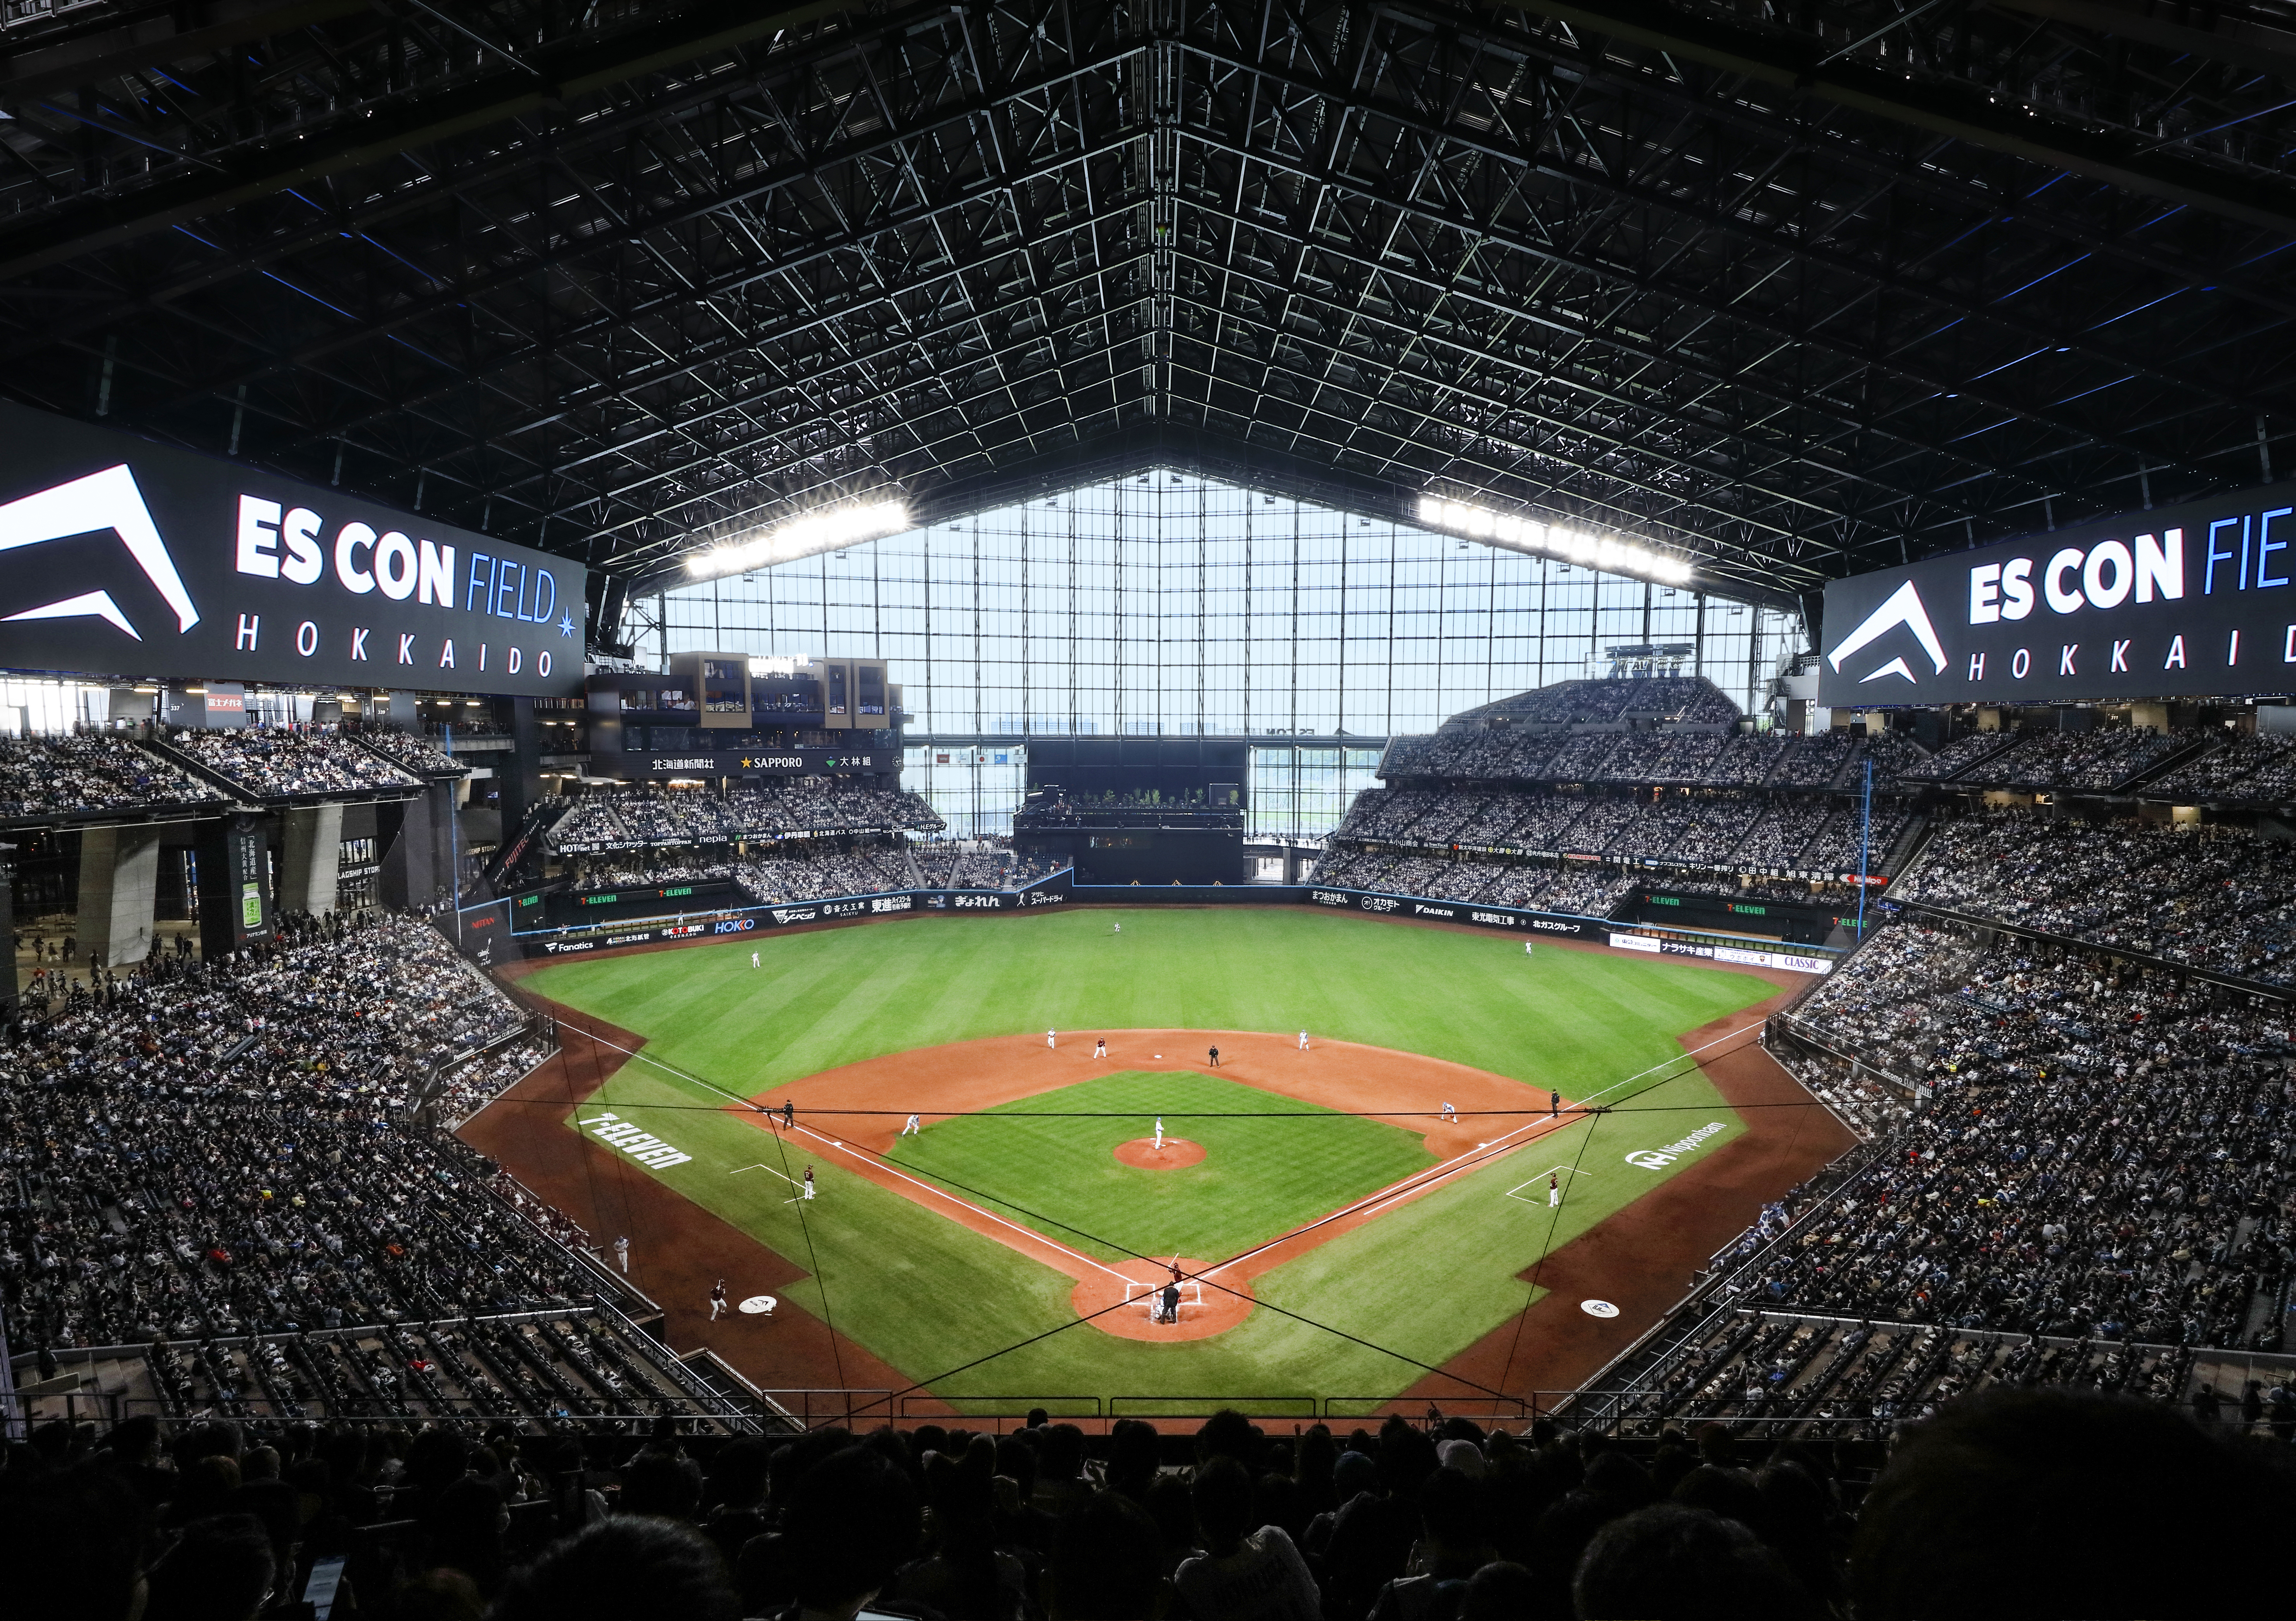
(1903, 608)
(99, 502)
(1658, 1159)
(635, 1140)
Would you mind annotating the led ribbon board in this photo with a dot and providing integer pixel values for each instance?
(2182, 601)
(128, 559)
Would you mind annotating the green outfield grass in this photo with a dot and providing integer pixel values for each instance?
(1258, 1179)
(1419, 1284)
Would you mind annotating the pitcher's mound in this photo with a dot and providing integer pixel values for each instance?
(1205, 1308)
(1143, 1151)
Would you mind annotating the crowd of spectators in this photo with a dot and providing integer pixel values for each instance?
(283, 762)
(1956, 756)
(1572, 889)
(86, 772)
(2103, 1153)
(2026, 1503)
(630, 818)
(2081, 762)
(1699, 759)
(822, 871)
(987, 863)
(410, 749)
(2214, 897)
(1691, 699)
(1717, 831)
(1057, 807)
(623, 869)
(199, 1148)
(2250, 767)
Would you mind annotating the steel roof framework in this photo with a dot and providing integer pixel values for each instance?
(1799, 288)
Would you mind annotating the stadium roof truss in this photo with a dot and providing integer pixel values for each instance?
(1798, 288)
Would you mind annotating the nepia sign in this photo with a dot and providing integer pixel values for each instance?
(126, 558)
(2196, 599)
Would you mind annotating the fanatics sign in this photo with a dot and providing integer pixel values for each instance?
(2181, 601)
(137, 560)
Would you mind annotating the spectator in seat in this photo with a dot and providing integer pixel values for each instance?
(1243, 1573)
(623, 1568)
(1671, 1563)
(2047, 1503)
(1107, 1564)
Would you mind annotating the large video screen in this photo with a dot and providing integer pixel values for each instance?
(2179, 602)
(129, 559)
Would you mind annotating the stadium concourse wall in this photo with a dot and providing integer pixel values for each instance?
(490, 933)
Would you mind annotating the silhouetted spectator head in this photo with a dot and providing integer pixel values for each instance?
(1668, 1562)
(1406, 1458)
(134, 1440)
(1018, 1460)
(853, 1520)
(620, 1569)
(1221, 1494)
(1134, 1451)
(1107, 1563)
(667, 1485)
(71, 1544)
(2046, 1502)
(737, 1474)
(1354, 1473)
(1451, 1510)
(1730, 1493)
(438, 1458)
(1501, 1590)
(220, 1569)
(1228, 1434)
(1062, 1455)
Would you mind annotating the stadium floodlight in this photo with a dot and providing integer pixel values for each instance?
(1606, 552)
(824, 531)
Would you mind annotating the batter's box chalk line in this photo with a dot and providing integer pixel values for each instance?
(1191, 1293)
(1539, 1181)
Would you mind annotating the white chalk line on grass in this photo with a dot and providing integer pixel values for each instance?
(884, 1164)
(1408, 1187)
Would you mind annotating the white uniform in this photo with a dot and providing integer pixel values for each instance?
(1303, 1041)
(622, 1253)
(1120, 929)
(1554, 1191)
(1526, 948)
(753, 959)
(910, 1130)
(1048, 1038)
(1449, 1113)
(1160, 1133)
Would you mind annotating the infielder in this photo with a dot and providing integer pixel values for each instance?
(1100, 1047)
(1450, 1113)
(910, 1130)
(1048, 1038)
(1303, 1041)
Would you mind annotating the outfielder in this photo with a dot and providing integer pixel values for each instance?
(1526, 948)
(753, 959)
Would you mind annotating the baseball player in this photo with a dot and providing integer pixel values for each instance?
(1100, 1047)
(1159, 1134)
(1048, 1038)
(716, 1299)
(1526, 948)
(622, 1254)
(1553, 1191)
(1449, 1112)
(911, 1129)
(1303, 1041)
(1120, 929)
(808, 1181)
(753, 959)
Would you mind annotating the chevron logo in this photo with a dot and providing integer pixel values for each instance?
(107, 499)
(1903, 606)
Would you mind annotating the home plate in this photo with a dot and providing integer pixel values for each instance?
(758, 1305)
(1592, 1308)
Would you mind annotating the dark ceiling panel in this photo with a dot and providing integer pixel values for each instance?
(1798, 288)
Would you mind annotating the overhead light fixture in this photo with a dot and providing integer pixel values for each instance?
(1605, 552)
(823, 531)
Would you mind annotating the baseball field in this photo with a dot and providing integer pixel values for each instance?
(1341, 1236)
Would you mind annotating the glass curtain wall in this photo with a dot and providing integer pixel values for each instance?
(1171, 605)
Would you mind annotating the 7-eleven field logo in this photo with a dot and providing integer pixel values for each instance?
(640, 1145)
